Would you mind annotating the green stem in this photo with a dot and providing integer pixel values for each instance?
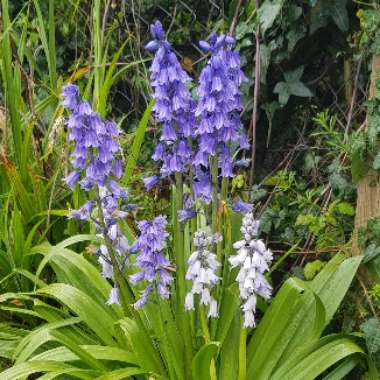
(215, 185)
(163, 339)
(225, 183)
(180, 274)
(242, 354)
(283, 257)
(206, 335)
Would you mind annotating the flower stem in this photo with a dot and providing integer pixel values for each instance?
(215, 185)
(242, 354)
(180, 274)
(206, 335)
(225, 183)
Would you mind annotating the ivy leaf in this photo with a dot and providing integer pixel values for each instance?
(338, 182)
(338, 13)
(293, 36)
(268, 13)
(376, 162)
(265, 55)
(295, 75)
(371, 330)
(299, 89)
(324, 10)
(371, 252)
(282, 89)
(291, 86)
(243, 29)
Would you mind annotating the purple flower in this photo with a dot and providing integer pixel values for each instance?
(218, 110)
(243, 163)
(150, 182)
(174, 106)
(202, 186)
(72, 179)
(70, 94)
(186, 214)
(242, 207)
(157, 31)
(94, 157)
(151, 259)
(84, 212)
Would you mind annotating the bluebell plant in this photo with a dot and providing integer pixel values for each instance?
(188, 261)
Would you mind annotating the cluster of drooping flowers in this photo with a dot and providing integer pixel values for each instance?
(173, 106)
(202, 267)
(220, 103)
(253, 258)
(213, 121)
(97, 165)
(93, 157)
(152, 261)
(218, 111)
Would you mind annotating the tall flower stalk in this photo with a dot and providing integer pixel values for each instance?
(97, 169)
(174, 110)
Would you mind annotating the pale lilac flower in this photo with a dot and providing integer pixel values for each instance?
(202, 268)
(113, 297)
(105, 262)
(253, 259)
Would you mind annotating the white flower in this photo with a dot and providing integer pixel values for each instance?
(105, 262)
(202, 267)
(254, 259)
(113, 297)
(189, 301)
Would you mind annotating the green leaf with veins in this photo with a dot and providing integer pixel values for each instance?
(268, 13)
(292, 86)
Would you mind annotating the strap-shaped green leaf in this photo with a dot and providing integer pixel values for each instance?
(91, 313)
(23, 370)
(317, 361)
(202, 361)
